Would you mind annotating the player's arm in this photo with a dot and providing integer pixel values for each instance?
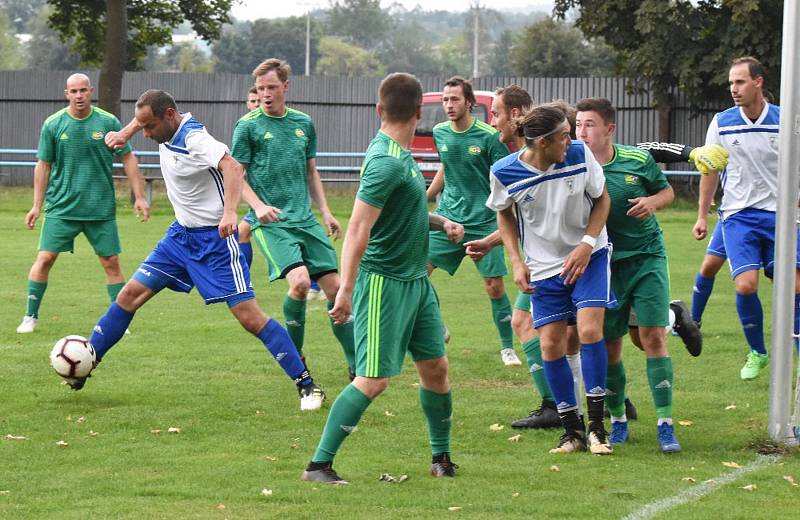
(233, 179)
(332, 225)
(355, 243)
(437, 184)
(667, 152)
(708, 187)
(131, 168)
(264, 213)
(41, 176)
(509, 235)
(477, 249)
(643, 207)
(577, 261)
(453, 230)
(117, 140)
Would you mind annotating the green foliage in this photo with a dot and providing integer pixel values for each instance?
(245, 45)
(339, 58)
(361, 22)
(21, 12)
(10, 52)
(150, 22)
(182, 57)
(685, 44)
(45, 50)
(553, 48)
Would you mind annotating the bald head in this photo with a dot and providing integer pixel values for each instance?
(79, 92)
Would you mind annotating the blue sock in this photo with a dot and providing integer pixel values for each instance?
(314, 285)
(247, 252)
(559, 378)
(109, 329)
(700, 295)
(796, 320)
(594, 366)
(752, 317)
(280, 345)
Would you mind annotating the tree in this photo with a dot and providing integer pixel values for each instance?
(117, 33)
(339, 58)
(499, 57)
(553, 48)
(361, 22)
(409, 49)
(44, 50)
(181, 57)
(21, 12)
(10, 53)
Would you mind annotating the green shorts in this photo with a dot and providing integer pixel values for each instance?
(640, 282)
(58, 235)
(287, 248)
(393, 317)
(446, 255)
(523, 302)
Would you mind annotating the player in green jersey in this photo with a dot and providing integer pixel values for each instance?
(639, 273)
(278, 145)
(385, 285)
(467, 148)
(72, 184)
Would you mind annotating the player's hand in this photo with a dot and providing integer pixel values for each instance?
(332, 226)
(576, 263)
(227, 226)
(141, 209)
(711, 157)
(115, 140)
(477, 249)
(642, 208)
(267, 214)
(342, 310)
(454, 231)
(31, 217)
(522, 277)
(700, 229)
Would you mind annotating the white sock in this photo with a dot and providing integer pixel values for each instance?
(671, 321)
(667, 420)
(624, 418)
(574, 361)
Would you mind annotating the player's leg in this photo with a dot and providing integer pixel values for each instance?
(445, 255)
(616, 323)
(574, 360)
(245, 230)
(295, 303)
(713, 261)
(329, 283)
(104, 238)
(492, 268)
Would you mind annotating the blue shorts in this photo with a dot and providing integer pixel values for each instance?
(750, 241)
(716, 245)
(189, 257)
(553, 300)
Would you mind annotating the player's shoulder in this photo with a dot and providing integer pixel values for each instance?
(505, 163)
(188, 134)
(576, 154)
(103, 114)
(297, 115)
(52, 118)
(251, 116)
(385, 151)
(729, 117)
(444, 126)
(773, 115)
(632, 153)
(484, 128)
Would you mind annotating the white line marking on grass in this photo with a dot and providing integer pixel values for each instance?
(693, 493)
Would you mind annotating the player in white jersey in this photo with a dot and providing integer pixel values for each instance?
(749, 132)
(204, 185)
(558, 191)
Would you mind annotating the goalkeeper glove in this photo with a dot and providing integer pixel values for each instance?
(711, 157)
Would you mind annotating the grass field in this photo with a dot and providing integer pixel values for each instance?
(241, 431)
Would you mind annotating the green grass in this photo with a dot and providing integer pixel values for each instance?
(192, 367)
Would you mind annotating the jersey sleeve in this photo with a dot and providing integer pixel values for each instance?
(115, 126)
(206, 150)
(497, 149)
(654, 178)
(595, 178)
(499, 198)
(712, 135)
(311, 146)
(240, 145)
(379, 178)
(46, 151)
(667, 152)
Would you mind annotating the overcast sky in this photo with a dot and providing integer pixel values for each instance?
(254, 9)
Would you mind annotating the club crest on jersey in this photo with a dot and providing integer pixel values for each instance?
(773, 141)
(97, 135)
(474, 149)
(631, 179)
(570, 184)
(299, 132)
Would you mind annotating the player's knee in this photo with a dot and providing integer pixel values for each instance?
(44, 261)
(521, 323)
(111, 265)
(372, 387)
(299, 287)
(711, 266)
(133, 295)
(746, 284)
(494, 287)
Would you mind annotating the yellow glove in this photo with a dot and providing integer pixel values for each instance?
(711, 157)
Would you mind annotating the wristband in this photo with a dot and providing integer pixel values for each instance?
(589, 241)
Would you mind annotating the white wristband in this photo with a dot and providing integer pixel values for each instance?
(589, 240)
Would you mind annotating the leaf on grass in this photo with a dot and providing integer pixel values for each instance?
(155, 431)
(10, 437)
(259, 412)
(220, 506)
(688, 479)
(455, 508)
(515, 495)
(92, 433)
(271, 459)
(731, 464)
(62, 443)
(790, 480)
(387, 413)
(295, 443)
(5, 492)
(685, 423)
(711, 482)
(388, 477)
(266, 492)
(81, 419)
(172, 429)
(515, 438)
(750, 487)
(496, 427)
(555, 468)
(731, 407)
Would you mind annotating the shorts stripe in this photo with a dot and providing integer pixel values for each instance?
(236, 266)
(259, 234)
(374, 325)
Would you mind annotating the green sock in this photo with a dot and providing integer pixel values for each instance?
(536, 367)
(438, 409)
(342, 420)
(114, 289)
(35, 295)
(344, 333)
(615, 385)
(501, 314)
(659, 375)
(294, 312)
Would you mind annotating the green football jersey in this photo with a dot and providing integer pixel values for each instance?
(80, 186)
(392, 181)
(467, 157)
(276, 151)
(632, 173)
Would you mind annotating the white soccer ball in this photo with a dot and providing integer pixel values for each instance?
(73, 356)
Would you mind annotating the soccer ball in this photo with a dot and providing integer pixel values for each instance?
(73, 356)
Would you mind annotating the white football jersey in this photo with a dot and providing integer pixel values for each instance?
(189, 164)
(552, 206)
(751, 178)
